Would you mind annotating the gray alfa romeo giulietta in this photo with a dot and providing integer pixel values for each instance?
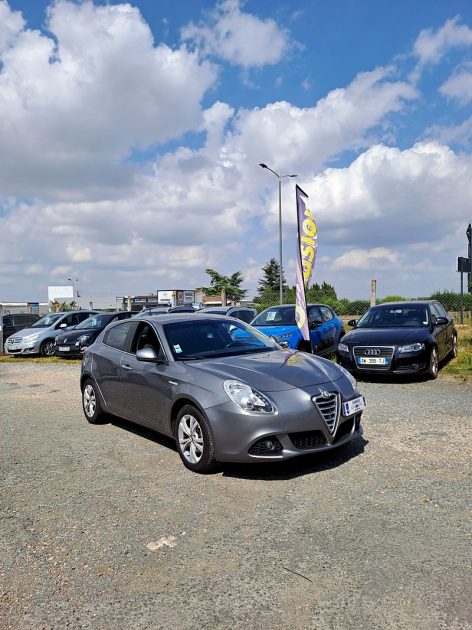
(222, 389)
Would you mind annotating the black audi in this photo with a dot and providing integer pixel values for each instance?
(71, 343)
(399, 338)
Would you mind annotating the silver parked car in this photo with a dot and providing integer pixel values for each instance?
(222, 389)
(39, 337)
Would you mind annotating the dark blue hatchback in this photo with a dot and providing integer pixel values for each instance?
(326, 328)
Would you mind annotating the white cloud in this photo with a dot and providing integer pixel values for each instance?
(363, 259)
(459, 86)
(302, 139)
(238, 37)
(73, 110)
(459, 134)
(393, 196)
(432, 44)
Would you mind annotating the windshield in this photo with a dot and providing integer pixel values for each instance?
(395, 317)
(276, 316)
(208, 338)
(96, 321)
(47, 320)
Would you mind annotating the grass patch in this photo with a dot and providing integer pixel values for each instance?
(462, 364)
(25, 359)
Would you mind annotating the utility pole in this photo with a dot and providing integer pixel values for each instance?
(469, 256)
(373, 292)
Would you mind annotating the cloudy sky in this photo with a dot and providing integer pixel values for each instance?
(131, 133)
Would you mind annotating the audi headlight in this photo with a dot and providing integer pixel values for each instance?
(247, 398)
(342, 347)
(412, 347)
(348, 375)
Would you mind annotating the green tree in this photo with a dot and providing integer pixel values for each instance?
(228, 287)
(270, 281)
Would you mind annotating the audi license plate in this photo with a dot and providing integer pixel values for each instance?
(372, 361)
(64, 348)
(353, 406)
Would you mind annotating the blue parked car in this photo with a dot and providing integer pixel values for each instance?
(326, 329)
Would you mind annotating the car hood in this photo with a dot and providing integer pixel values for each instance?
(277, 331)
(385, 336)
(26, 332)
(71, 334)
(273, 371)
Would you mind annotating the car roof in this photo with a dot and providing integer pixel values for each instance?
(293, 305)
(405, 303)
(170, 318)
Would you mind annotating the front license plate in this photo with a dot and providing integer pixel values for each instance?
(372, 361)
(353, 406)
(64, 348)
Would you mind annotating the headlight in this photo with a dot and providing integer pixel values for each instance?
(247, 398)
(32, 338)
(82, 339)
(412, 347)
(342, 347)
(348, 375)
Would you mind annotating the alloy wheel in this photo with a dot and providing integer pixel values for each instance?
(434, 363)
(90, 401)
(190, 436)
(48, 348)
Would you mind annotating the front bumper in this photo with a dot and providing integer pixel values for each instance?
(66, 350)
(297, 429)
(22, 348)
(401, 363)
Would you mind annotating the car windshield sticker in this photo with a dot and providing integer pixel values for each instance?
(271, 316)
(177, 348)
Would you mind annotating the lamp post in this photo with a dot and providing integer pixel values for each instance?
(279, 177)
(73, 288)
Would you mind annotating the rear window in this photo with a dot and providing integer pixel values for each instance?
(116, 336)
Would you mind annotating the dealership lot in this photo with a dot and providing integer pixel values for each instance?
(103, 527)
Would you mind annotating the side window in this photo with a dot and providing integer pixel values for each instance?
(116, 336)
(70, 320)
(327, 313)
(441, 310)
(314, 314)
(146, 337)
(82, 316)
(434, 312)
(8, 321)
(246, 316)
(123, 316)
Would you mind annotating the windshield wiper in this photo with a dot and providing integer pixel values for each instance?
(190, 357)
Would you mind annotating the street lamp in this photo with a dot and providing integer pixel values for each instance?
(279, 177)
(73, 288)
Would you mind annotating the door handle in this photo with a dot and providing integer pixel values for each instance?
(125, 366)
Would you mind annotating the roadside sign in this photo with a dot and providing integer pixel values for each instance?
(464, 265)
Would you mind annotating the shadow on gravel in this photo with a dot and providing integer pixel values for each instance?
(271, 471)
(143, 432)
(298, 466)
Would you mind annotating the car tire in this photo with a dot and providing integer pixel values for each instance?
(47, 348)
(433, 366)
(194, 440)
(454, 347)
(91, 403)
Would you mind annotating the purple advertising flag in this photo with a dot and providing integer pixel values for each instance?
(307, 243)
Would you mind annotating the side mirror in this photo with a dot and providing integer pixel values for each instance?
(352, 323)
(63, 325)
(284, 344)
(441, 321)
(315, 323)
(148, 355)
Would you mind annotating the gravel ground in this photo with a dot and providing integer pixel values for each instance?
(103, 527)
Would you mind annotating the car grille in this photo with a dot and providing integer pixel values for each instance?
(15, 340)
(373, 351)
(266, 446)
(328, 406)
(307, 439)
